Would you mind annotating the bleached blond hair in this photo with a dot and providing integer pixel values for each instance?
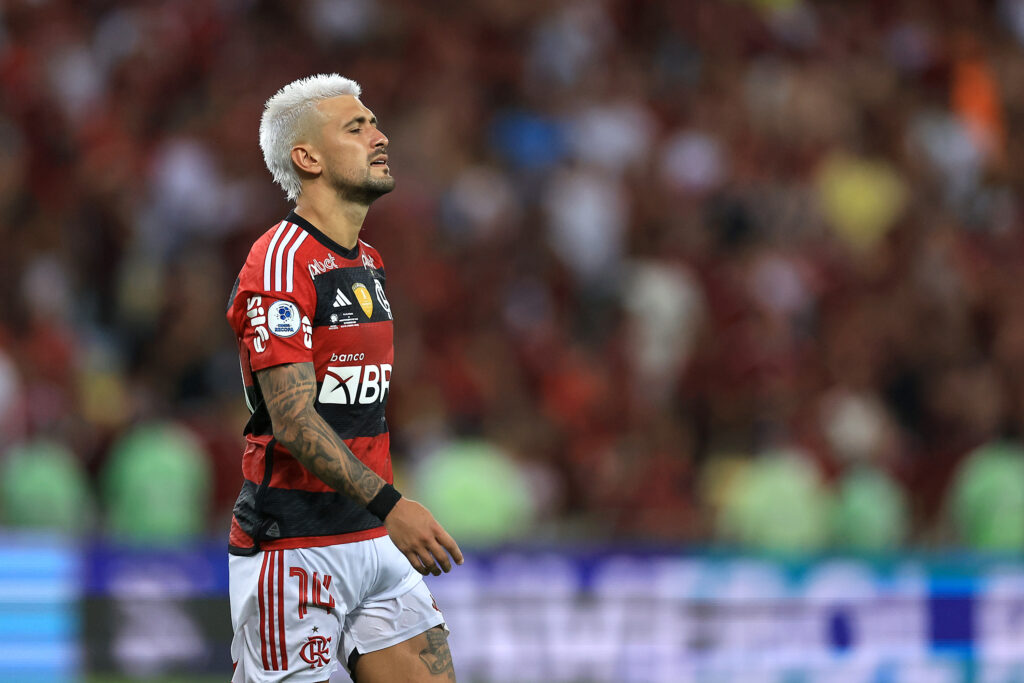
(284, 116)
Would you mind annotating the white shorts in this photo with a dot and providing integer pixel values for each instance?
(294, 611)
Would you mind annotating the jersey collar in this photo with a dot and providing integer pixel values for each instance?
(322, 238)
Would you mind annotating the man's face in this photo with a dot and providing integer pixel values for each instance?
(353, 150)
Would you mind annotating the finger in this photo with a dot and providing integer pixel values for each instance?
(451, 546)
(441, 556)
(431, 565)
(415, 561)
(427, 562)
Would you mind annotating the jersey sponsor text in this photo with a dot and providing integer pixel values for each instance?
(352, 384)
(318, 267)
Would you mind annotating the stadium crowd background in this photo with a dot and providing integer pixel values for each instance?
(698, 272)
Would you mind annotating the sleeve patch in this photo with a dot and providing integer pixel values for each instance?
(283, 318)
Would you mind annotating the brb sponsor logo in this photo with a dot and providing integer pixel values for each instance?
(318, 267)
(356, 384)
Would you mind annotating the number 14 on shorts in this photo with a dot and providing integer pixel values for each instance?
(319, 586)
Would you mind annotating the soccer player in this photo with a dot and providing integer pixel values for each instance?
(325, 555)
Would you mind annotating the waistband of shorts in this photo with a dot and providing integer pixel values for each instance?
(313, 541)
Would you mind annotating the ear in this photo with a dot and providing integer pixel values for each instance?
(306, 159)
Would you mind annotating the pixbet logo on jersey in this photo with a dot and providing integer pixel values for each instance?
(318, 267)
(355, 384)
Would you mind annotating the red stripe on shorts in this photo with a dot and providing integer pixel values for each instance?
(280, 606)
(270, 605)
(263, 612)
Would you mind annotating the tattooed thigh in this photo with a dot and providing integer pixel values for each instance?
(436, 655)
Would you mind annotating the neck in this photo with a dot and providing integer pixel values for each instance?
(339, 219)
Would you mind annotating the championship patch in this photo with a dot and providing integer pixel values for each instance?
(283, 318)
(363, 297)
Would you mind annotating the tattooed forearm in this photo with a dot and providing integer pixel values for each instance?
(289, 391)
(436, 654)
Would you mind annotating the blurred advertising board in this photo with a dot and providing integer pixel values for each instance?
(546, 615)
(40, 587)
(540, 616)
(151, 612)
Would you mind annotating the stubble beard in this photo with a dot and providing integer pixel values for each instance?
(365, 191)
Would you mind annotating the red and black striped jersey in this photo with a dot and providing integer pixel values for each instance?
(303, 298)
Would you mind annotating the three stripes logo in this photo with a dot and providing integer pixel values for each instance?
(341, 300)
(363, 297)
(346, 317)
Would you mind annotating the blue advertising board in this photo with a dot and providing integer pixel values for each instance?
(552, 615)
(40, 588)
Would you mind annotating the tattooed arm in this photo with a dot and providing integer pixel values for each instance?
(290, 391)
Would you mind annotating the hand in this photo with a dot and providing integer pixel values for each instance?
(421, 539)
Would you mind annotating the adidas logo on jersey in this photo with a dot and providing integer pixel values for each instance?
(355, 384)
(346, 318)
(341, 300)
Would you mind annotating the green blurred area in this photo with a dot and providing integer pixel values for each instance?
(478, 493)
(987, 498)
(156, 485)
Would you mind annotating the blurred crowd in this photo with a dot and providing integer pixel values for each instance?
(687, 271)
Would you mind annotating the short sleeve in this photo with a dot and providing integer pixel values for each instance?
(272, 303)
(273, 330)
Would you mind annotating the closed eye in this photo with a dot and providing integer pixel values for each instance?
(358, 123)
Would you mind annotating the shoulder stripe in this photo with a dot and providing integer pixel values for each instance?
(268, 258)
(280, 255)
(291, 257)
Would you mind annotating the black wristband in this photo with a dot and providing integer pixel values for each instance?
(382, 503)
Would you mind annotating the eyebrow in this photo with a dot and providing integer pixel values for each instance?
(361, 119)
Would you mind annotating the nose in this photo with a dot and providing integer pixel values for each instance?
(380, 140)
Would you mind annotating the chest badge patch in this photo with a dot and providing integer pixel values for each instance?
(363, 297)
